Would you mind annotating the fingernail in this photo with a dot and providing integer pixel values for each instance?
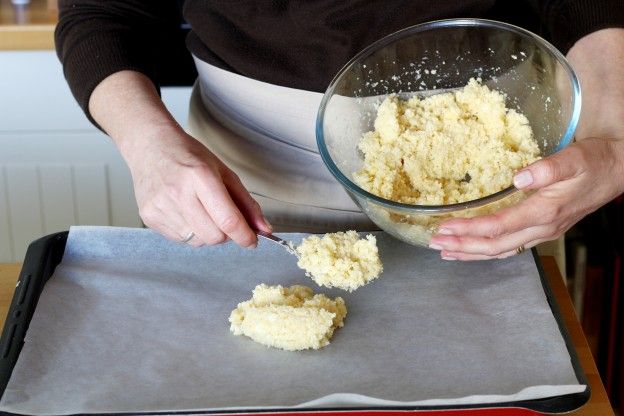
(448, 258)
(445, 231)
(267, 224)
(523, 179)
(435, 246)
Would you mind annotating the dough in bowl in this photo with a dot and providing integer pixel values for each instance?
(291, 318)
(447, 148)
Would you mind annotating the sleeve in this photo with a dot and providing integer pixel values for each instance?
(96, 38)
(567, 21)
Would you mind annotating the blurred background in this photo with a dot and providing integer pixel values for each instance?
(57, 170)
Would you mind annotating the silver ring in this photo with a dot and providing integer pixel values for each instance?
(520, 249)
(188, 238)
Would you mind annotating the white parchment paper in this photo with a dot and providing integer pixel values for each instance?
(133, 322)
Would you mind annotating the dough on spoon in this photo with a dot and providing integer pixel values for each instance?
(341, 260)
(291, 318)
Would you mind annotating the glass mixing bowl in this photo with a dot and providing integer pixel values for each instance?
(430, 58)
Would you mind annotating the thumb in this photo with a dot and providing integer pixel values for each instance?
(547, 171)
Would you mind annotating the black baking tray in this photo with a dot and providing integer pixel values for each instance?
(44, 254)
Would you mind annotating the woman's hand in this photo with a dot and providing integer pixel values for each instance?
(569, 185)
(181, 187)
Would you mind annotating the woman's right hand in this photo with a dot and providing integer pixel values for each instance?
(180, 186)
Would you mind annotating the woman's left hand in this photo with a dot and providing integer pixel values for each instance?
(569, 185)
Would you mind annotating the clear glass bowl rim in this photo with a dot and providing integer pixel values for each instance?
(422, 27)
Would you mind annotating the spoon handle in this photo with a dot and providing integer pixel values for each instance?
(286, 244)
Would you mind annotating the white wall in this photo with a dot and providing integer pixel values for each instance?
(56, 169)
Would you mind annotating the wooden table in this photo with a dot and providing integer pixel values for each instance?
(598, 404)
(27, 27)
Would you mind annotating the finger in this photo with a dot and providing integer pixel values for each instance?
(244, 201)
(168, 222)
(450, 255)
(490, 246)
(174, 235)
(506, 221)
(558, 167)
(472, 257)
(165, 231)
(201, 223)
(174, 223)
(216, 200)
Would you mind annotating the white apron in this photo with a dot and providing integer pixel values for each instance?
(266, 134)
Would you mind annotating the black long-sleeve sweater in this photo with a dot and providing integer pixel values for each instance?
(294, 43)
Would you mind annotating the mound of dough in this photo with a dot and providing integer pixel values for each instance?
(341, 260)
(446, 148)
(291, 318)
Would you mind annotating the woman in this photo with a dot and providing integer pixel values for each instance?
(262, 67)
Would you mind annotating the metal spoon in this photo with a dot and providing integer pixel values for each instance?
(286, 244)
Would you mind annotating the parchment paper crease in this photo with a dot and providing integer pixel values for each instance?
(132, 322)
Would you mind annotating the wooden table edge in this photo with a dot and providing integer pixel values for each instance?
(598, 403)
(17, 38)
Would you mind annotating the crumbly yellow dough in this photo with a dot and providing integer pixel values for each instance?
(447, 148)
(290, 318)
(341, 260)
